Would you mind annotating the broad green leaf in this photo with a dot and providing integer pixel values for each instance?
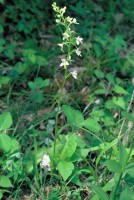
(100, 91)
(99, 73)
(5, 121)
(110, 78)
(130, 169)
(119, 101)
(4, 80)
(100, 192)
(127, 194)
(38, 83)
(128, 116)
(41, 61)
(113, 166)
(65, 169)
(5, 142)
(69, 148)
(122, 155)
(74, 117)
(91, 125)
(1, 194)
(119, 90)
(5, 181)
(80, 154)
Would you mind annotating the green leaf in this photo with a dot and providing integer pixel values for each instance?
(127, 194)
(99, 191)
(74, 117)
(119, 90)
(119, 101)
(130, 169)
(113, 166)
(110, 78)
(122, 155)
(128, 116)
(65, 169)
(4, 80)
(38, 83)
(5, 142)
(1, 194)
(91, 125)
(69, 148)
(80, 154)
(99, 73)
(41, 61)
(5, 121)
(5, 181)
(100, 91)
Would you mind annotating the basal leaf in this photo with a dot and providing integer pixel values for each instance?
(5, 182)
(5, 142)
(69, 148)
(5, 121)
(113, 166)
(65, 169)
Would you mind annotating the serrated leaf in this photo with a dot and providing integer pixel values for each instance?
(99, 191)
(119, 90)
(5, 182)
(74, 117)
(91, 125)
(5, 142)
(113, 166)
(5, 121)
(119, 101)
(65, 169)
(69, 148)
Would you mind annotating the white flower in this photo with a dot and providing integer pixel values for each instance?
(61, 45)
(57, 21)
(64, 63)
(79, 40)
(45, 163)
(62, 10)
(78, 52)
(69, 19)
(74, 21)
(74, 74)
(65, 36)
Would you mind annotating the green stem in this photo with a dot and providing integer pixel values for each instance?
(58, 107)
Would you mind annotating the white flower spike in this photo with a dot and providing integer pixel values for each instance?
(45, 163)
(64, 63)
(74, 74)
(79, 40)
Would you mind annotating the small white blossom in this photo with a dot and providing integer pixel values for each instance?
(74, 21)
(74, 74)
(78, 52)
(62, 10)
(69, 19)
(79, 40)
(61, 45)
(64, 62)
(65, 36)
(57, 21)
(45, 163)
